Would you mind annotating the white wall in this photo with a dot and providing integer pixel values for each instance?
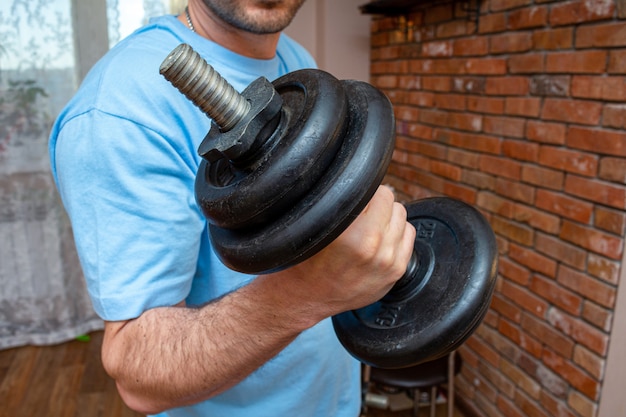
(337, 35)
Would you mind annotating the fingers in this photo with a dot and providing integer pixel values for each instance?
(383, 233)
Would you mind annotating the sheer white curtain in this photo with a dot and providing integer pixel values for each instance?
(42, 293)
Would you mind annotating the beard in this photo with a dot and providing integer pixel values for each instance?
(256, 16)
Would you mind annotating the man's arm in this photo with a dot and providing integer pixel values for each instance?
(174, 356)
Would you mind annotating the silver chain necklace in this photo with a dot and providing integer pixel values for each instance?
(189, 22)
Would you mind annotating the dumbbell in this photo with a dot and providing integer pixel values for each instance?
(288, 165)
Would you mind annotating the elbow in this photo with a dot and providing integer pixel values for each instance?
(139, 403)
(130, 389)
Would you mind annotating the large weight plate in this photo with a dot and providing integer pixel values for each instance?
(305, 226)
(452, 288)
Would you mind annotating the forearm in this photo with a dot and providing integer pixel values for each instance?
(175, 356)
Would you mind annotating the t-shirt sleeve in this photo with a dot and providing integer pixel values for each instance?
(129, 194)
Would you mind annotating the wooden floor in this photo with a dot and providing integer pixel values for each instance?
(65, 380)
(68, 380)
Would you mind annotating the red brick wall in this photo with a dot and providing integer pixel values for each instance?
(522, 116)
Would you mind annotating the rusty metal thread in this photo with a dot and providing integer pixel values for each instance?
(204, 86)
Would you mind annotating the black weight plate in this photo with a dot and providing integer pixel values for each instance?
(331, 204)
(304, 144)
(457, 257)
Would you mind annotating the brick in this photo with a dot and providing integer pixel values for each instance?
(563, 252)
(515, 190)
(465, 121)
(597, 191)
(528, 17)
(576, 377)
(612, 221)
(552, 292)
(553, 39)
(433, 150)
(409, 82)
(503, 167)
(579, 62)
(545, 132)
(420, 131)
(525, 299)
(483, 350)
(599, 88)
(455, 28)
(504, 126)
(582, 333)
(555, 386)
(445, 170)
(513, 271)
(603, 269)
(421, 98)
(463, 158)
(408, 113)
(522, 106)
(617, 62)
(571, 111)
(448, 101)
(476, 46)
(487, 105)
(473, 142)
(513, 231)
(433, 117)
(550, 85)
(597, 315)
(506, 307)
(587, 286)
(614, 115)
(507, 408)
(541, 330)
(500, 343)
(437, 49)
(598, 141)
(589, 361)
(486, 66)
(605, 35)
(594, 240)
(499, 5)
(529, 408)
(537, 219)
(532, 260)
(521, 379)
(565, 206)
(571, 12)
(506, 86)
(577, 162)
(510, 42)
(435, 83)
(526, 63)
(418, 161)
(474, 85)
(492, 22)
(527, 343)
(543, 177)
(582, 405)
(520, 150)
(479, 180)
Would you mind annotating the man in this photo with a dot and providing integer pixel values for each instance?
(185, 336)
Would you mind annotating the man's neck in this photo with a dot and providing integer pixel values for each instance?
(211, 27)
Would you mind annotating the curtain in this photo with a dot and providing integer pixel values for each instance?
(43, 299)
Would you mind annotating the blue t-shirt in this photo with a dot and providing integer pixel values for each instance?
(124, 157)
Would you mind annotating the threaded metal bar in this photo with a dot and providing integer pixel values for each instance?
(204, 86)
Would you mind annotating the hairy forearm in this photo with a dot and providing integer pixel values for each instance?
(176, 356)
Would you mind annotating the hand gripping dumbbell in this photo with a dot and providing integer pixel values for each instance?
(288, 165)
